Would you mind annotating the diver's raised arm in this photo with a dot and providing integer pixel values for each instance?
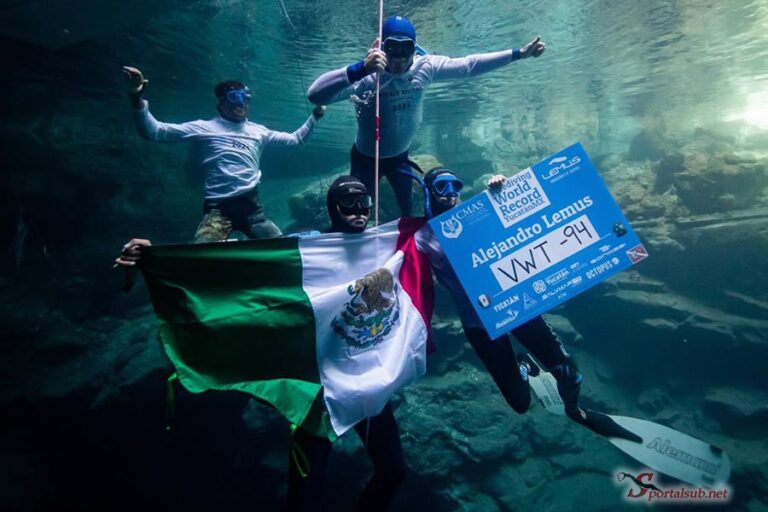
(302, 134)
(472, 65)
(148, 127)
(135, 84)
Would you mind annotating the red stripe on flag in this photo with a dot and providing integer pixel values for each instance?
(416, 273)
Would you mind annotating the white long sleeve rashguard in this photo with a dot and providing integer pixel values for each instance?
(230, 151)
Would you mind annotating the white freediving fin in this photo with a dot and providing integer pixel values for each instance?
(544, 385)
(663, 449)
(673, 453)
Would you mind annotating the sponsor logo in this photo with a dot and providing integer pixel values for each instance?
(518, 197)
(506, 321)
(452, 227)
(637, 253)
(558, 160)
(665, 447)
(607, 254)
(539, 286)
(552, 394)
(557, 277)
(558, 291)
(528, 301)
(576, 280)
(372, 312)
(560, 165)
(600, 269)
(512, 299)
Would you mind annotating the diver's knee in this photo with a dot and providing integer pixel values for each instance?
(519, 402)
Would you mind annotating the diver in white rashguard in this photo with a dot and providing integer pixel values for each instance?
(230, 148)
(405, 74)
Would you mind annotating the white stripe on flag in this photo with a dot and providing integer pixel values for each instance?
(359, 380)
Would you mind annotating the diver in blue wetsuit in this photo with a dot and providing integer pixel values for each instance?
(443, 189)
(405, 74)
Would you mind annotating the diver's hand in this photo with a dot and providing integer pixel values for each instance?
(376, 59)
(533, 49)
(495, 182)
(318, 111)
(131, 253)
(134, 80)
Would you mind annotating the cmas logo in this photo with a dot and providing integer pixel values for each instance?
(372, 311)
(452, 227)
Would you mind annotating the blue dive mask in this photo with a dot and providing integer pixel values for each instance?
(239, 97)
(447, 186)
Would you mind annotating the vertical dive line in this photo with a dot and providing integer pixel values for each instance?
(378, 124)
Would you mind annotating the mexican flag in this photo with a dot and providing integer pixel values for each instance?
(324, 328)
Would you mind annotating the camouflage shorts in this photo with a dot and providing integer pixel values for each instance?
(213, 228)
(242, 213)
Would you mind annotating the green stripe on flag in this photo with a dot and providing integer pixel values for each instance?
(234, 316)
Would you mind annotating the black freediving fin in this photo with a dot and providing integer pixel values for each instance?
(604, 425)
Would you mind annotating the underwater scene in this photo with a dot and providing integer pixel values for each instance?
(201, 382)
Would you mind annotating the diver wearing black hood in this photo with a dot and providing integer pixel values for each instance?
(536, 335)
(349, 207)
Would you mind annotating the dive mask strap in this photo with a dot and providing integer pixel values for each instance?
(415, 177)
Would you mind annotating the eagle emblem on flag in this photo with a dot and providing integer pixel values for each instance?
(371, 312)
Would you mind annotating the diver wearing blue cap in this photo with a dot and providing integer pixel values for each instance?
(406, 72)
(229, 147)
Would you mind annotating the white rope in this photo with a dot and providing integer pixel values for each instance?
(378, 125)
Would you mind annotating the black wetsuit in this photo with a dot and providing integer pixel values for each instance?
(380, 436)
(497, 354)
(499, 358)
